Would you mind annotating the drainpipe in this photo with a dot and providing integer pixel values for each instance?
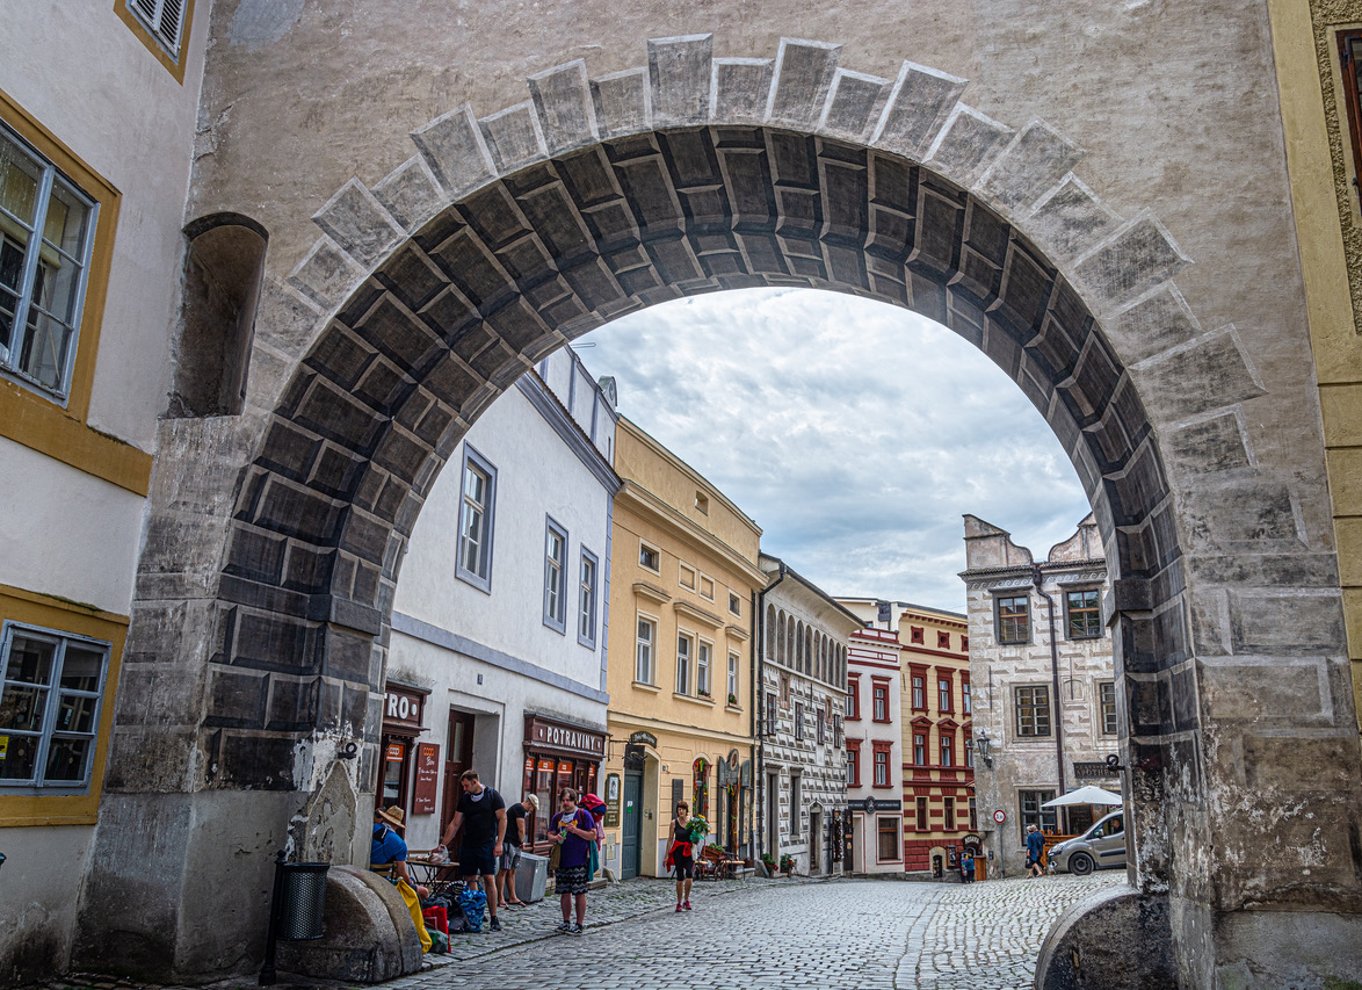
(758, 683)
(1054, 676)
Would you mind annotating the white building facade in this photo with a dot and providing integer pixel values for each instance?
(498, 654)
(1043, 684)
(801, 751)
(874, 753)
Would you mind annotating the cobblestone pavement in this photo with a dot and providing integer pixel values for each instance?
(786, 934)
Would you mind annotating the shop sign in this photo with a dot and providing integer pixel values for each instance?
(542, 734)
(403, 707)
(1092, 771)
(394, 753)
(427, 778)
(643, 739)
(612, 800)
(874, 804)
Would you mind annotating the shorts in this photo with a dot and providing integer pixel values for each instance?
(510, 856)
(477, 860)
(570, 879)
(1032, 859)
(685, 867)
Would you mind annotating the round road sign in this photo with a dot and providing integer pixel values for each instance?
(1000, 816)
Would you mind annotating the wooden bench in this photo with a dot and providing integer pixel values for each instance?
(713, 864)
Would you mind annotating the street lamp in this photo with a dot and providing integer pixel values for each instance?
(982, 745)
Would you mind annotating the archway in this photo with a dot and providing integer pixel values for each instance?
(509, 235)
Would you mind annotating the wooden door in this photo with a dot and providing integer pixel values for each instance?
(458, 758)
(631, 822)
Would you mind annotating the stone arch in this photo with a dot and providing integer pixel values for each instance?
(506, 236)
(770, 631)
(781, 638)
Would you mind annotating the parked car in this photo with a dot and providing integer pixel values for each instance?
(1102, 847)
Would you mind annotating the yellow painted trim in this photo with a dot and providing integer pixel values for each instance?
(34, 420)
(173, 65)
(36, 608)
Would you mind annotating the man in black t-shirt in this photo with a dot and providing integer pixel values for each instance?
(517, 829)
(482, 813)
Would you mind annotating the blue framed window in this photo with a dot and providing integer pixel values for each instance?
(587, 570)
(555, 576)
(477, 520)
(51, 684)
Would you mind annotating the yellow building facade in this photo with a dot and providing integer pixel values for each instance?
(684, 575)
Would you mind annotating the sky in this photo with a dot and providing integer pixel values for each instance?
(854, 432)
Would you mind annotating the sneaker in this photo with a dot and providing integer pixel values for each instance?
(565, 927)
(495, 924)
(574, 929)
(678, 909)
(686, 905)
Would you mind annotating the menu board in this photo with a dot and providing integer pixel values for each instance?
(427, 778)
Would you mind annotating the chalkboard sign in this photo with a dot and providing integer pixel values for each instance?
(427, 778)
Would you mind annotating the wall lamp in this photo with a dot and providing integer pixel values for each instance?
(983, 746)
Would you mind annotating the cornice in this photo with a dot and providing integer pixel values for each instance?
(646, 503)
(698, 614)
(652, 592)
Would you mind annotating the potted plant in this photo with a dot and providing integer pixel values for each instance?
(787, 864)
(699, 829)
(733, 700)
(769, 863)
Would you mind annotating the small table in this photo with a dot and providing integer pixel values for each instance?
(431, 873)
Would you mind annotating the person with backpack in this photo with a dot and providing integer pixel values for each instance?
(573, 831)
(482, 814)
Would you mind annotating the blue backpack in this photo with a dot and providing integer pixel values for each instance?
(472, 903)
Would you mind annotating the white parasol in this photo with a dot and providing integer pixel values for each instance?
(1090, 794)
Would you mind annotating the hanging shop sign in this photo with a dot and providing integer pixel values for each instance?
(874, 804)
(1093, 771)
(427, 778)
(403, 708)
(612, 800)
(643, 739)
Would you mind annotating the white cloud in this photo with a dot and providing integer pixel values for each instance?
(856, 433)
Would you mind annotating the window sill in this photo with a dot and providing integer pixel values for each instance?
(733, 708)
(645, 686)
(706, 702)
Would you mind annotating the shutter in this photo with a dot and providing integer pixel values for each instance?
(172, 12)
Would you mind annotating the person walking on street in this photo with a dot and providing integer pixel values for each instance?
(516, 835)
(681, 853)
(482, 814)
(572, 829)
(1035, 850)
(967, 866)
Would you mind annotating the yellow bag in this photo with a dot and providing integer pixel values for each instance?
(414, 909)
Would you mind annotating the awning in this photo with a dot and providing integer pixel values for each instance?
(1086, 795)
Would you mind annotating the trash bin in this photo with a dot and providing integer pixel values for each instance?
(531, 877)
(303, 901)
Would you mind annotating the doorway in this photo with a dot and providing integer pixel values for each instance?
(773, 815)
(815, 840)
(631, 824)
(458, 758)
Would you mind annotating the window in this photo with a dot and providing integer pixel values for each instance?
(880, 702)
(943, 641)
(706, 588)
(943, 693)
(837, 730)
(163, 18)
(921, 815)
(820, 726)
(853, 763)
(700, 787)
(919, 683)
(683, 651)
(476, 521)
(46, 236)
(799, 721)
(915, 634)
(555, 576)
(1032, 813)
(686, 576)
(734, 604)
(973, 816)
(732, 678)
(964, 644)
(881, 767)
(702, 502)
(1350, 57)
(947, 749)
(1107, 694)
(643, 650)
(702, 670)
(586, 599)
(948, 805)
(853, 698)
(1084, 611)
(966, 702)
(1014, 619)
(969, 752)
(772, 712)
(796, 804)
(919, 749)
(1033, 711)
(50, 687)
(649, 557)
(887, 830)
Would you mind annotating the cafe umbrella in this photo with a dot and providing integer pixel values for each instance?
(1091, 794)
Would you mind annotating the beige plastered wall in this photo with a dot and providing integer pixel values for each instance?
(1329, 232)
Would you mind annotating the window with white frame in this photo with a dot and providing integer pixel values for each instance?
(732, 678)
(684, 645)
(1033, 710)
(555, 576)
(164, 19)
(734, 604)
(586, 598)
(881, 768)
(650, 557)
(966, 702)
(477, 518)
(50, 689)
(703, 656)
(46, 236)
(645, 637)
(1107, 695)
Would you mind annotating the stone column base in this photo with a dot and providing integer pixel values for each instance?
(1117, 939)
(369, 935)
